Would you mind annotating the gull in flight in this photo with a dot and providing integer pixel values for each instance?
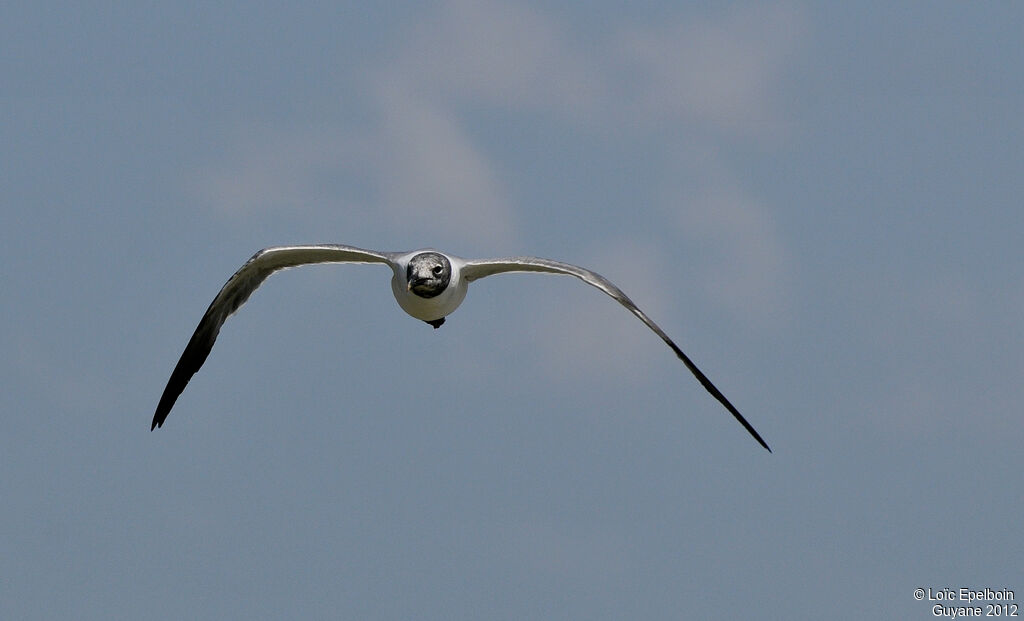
(428, 285)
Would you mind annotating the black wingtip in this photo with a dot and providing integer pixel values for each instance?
(715, 392)
(746, 425)
(161, 413)
(160, 416)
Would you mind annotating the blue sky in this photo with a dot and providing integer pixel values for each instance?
(820, 202)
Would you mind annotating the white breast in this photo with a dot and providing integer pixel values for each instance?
(429, 309)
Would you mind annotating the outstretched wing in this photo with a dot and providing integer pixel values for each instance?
(479, 268)
(236, 291)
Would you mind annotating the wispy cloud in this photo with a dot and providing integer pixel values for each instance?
(426, 177)
(739, 259)
(501, 53)
(431, 176)
(414, 172)
(719, 70)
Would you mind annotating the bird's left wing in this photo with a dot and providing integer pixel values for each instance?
(236, 291)
(479, 268)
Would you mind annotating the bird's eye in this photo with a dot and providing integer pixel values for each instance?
(437, 270)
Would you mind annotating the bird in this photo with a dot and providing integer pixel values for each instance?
(427, 284)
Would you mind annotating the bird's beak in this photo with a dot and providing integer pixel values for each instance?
(414, 282)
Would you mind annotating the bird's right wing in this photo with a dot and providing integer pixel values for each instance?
(236, 291)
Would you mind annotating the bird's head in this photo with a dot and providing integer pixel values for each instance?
(428, 274)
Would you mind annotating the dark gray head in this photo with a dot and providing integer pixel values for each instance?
(428, 274)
